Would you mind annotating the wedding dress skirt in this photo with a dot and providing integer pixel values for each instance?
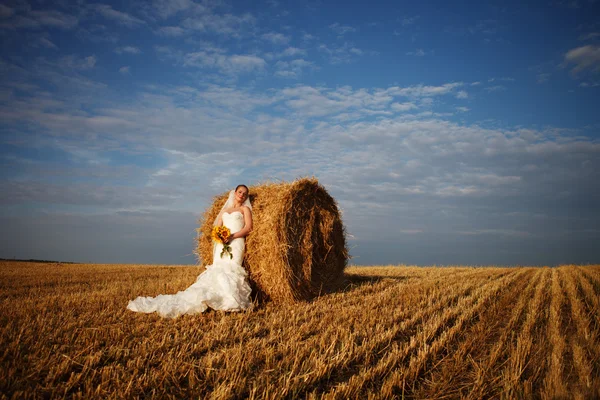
(222, 286)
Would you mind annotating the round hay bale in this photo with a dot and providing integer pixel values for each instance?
(297, 248)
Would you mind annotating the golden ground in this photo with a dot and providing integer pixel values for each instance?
(412, 332)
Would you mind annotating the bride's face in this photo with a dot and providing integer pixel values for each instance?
(241, 194)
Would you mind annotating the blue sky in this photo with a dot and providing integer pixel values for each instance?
(448, 132)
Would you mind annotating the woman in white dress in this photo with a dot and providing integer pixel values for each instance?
(224, 284)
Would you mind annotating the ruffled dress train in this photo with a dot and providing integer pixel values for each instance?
(222, 286)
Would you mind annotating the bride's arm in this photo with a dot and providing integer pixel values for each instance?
(247, 224)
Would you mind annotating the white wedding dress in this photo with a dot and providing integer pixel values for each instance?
(222, 286)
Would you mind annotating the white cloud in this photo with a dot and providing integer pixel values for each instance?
(584, 58)
(403, 106)
(463, 109)
(230, 64)
(341, 29)
(78, 63)
(424, 91)
(229, 98)
(406, 21)
(276, 38)
(292, 52)
(587, 84)
(118, 16)
(128, 50)
(229, 25)
(496, 88)
(47, 43)
(54, 19)
(37, 19)
(418, 53)
(462, 94)
(293, 69)
(167, 8)
(543, 77)
(590, 36)
(125, 70)
(171, 31)
(169, 53)
(485, 27)
(340, 54)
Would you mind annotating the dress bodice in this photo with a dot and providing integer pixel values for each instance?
(233, 221)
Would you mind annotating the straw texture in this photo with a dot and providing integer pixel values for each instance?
(297, 249)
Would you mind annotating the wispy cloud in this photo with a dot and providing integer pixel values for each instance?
(119, 17)
(341, 30)
(403, 106)
(36, 19)
(276, 38)
(128, 50)
(340, 54)
(495, 88)
(424, 90)
(171, 31)
(590, 36)
(168, 8)
(293, 52)
(293, 69)
(462, 94)
(79, 63)
(585, 58)
(229, 64)
(228, 25)
(418, 53)
(543, 77)
(45, 42)
(407, 21)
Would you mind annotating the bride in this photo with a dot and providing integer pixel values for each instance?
(224, 284)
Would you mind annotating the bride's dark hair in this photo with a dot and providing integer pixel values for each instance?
(239, 186)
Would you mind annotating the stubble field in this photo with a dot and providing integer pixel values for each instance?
(404, 332)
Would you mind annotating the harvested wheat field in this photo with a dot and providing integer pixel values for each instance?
(409, 332)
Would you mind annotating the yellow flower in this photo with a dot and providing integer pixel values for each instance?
(221, 234)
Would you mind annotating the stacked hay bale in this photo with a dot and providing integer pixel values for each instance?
(297, 248)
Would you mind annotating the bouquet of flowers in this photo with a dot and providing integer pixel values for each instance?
(221, 234)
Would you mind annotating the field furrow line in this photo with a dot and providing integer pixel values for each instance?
(317, 319)
(525, 361)
(362, 356)
(591, 297)
(420, 278)
(393, 332)
(281, 329)
(584, 345)
(487, 377)
(554, 382)
(593, 275)
(427, 353)
(416, 346)
(463, 362)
